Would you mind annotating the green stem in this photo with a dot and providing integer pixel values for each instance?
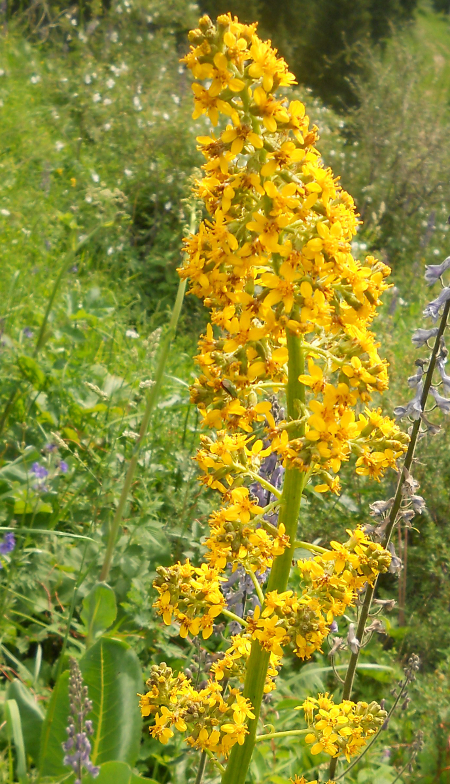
(214, 761)
(370, 592)
(201, 767)
(239, 761)
(233, 617)
(313, 548)
(151, 404)
(255, 582)
(263, 482)
(284, 734)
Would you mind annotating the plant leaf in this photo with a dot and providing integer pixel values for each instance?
(54, 730)
(117, 773)
(99, 611)
(112, 673)
(31, 716)
(15, 735)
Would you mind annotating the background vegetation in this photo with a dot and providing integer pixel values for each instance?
(98, 151)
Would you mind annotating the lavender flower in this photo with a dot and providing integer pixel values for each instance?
(8, 543)
(380, 507)
(421, 336)
(352, 640)
(396, 564)
(77, 745)
(414, 381)
(28, 333)
(434, 271)
(440, 364)
(413, 408)
(433, 308)
(39, 471)
(50, 447)
(441, 402)
(63, 466)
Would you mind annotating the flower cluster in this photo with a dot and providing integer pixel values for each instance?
(340, 729)
(335, 576)
(233, 662)
(192, 595)
(237, 535)
(213, 723)
(330, 582)
(275, 255)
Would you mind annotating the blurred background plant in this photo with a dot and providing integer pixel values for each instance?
(98, 153)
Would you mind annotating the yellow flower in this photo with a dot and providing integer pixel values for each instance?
(160, 730)
(239, 135)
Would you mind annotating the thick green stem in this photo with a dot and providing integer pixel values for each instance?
(370, 592)
(151, 403)
(239, 761)
(285, 734)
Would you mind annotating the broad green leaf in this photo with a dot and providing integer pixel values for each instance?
(99, 611)
(54, 730)
(31, 716)
(112, 673)
(117, 773)
(15, 736)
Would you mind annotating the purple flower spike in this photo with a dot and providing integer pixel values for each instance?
(63, 467)
(79, 728)
(8, 543)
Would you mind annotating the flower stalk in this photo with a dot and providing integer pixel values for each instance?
(152, 400)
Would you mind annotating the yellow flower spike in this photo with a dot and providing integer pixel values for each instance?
(273, 265)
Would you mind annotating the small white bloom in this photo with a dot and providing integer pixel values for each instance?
(175, 98)
(107, 101)
(128, 172)
(110, 251)
(137, 104)
(130, 434)
(95, 176)
(110, 84)
(168, 206)
(166, 116)
(88, 79)
(96, 97)
(59, 146)
(88, 198)
(107, 126)
(131, 333)
(5, 212)
(35, 79)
